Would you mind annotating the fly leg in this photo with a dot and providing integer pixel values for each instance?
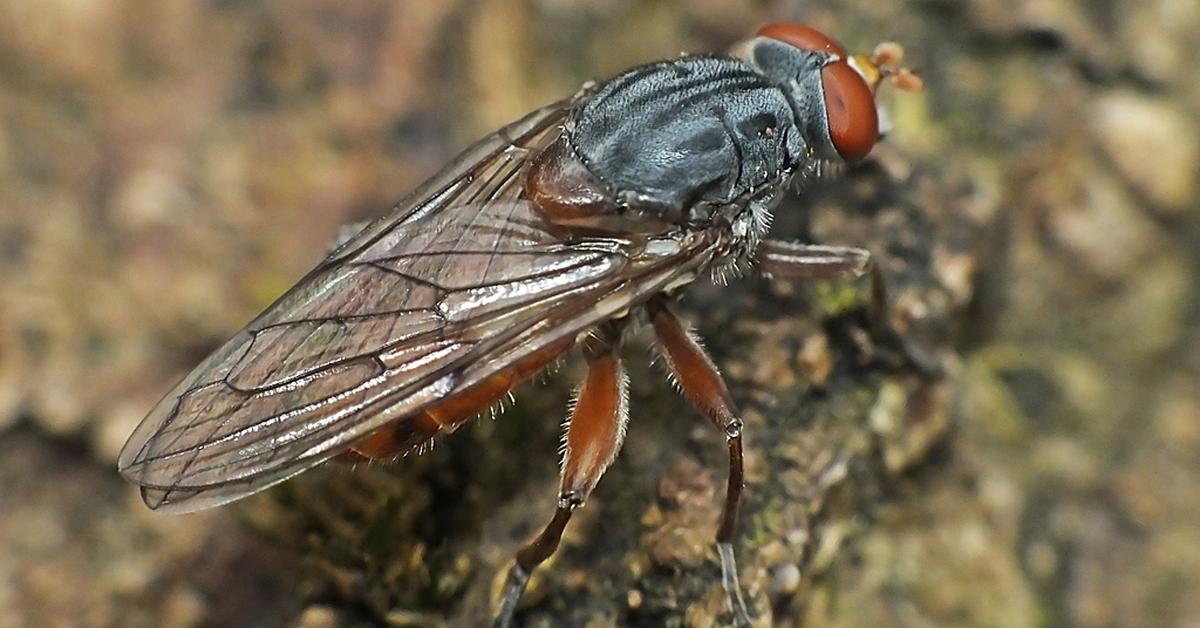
(791, 260)
(594, 431)
(701, 383)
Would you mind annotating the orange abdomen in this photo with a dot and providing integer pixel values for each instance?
(401, 435)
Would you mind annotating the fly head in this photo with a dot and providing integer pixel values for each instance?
(832, 93)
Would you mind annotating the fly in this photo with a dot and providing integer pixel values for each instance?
(543, 236)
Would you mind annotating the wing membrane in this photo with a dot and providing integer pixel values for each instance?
(460, 281)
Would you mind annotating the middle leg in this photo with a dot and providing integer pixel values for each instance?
(595, 430)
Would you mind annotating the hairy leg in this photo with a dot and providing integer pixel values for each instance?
(595, 430)
(703, 386)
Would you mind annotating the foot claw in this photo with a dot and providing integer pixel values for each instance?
(917, 358)
(733, 590)
(514, 586)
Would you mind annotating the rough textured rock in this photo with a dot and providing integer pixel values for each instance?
(166, 169)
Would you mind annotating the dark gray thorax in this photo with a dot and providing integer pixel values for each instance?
(696, 130)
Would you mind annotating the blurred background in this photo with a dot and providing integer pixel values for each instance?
(168, 168)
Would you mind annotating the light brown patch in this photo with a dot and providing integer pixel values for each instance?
(594, 432)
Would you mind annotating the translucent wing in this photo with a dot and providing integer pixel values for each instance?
(460, 281)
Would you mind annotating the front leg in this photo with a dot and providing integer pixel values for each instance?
(797, 261)
(702, 385)
(805, 262)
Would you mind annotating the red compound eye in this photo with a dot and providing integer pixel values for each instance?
(849, 102)
(804, 37)
(850, 106)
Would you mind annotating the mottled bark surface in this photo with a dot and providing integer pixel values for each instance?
(167, 169)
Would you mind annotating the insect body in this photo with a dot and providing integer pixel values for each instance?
(546, 234)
